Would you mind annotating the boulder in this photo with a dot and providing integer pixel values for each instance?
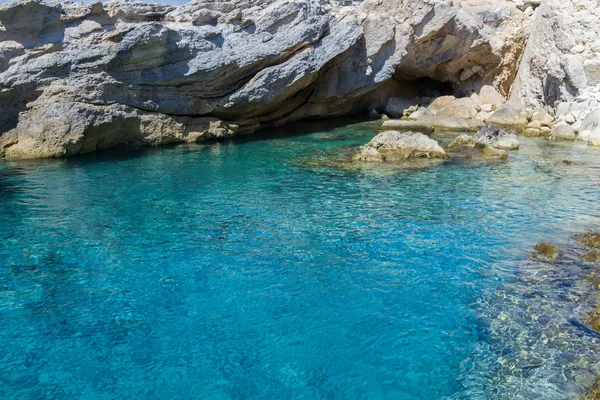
(507, 116)
(439, 103)
(406, 125)
(547, 250)
(398, 107)
(563, 131)
(466, 108)
(493, 136)
(373, 114)
(472, 147)
(488, 95)
(396, 146)
(533, 132)
(422, 112)
(542, 116)
(558, 65)
(244, 63)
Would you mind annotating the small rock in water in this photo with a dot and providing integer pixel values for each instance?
(493, 136)
(547, 250)
(396, 146)
(563, 131)
(473, 147)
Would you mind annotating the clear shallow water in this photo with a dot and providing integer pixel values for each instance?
(252, 269)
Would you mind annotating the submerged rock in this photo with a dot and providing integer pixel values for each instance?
(422, 112)
(471, 146)
(396, 146)
(563, 131)
(547, 250)
(542, 116)
(398, 107)
(590, 240)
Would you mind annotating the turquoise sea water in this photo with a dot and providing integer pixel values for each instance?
(257, 269)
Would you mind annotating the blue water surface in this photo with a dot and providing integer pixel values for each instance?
(253, 269)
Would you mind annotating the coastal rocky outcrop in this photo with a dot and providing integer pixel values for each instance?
(77, 77)
(395, 146)
(472, 147)
(490, 142)
(494, 136)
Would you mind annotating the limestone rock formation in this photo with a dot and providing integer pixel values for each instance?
(493, 136)
(480, 145)
(507, 116)
(561, 65)
(396, 146)
(79, 77)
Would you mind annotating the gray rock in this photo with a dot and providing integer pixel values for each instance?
(493, 136)
(507, 116)
(396, 146)
(542, 116)
(472, 147)
(406, 125)
(563, 131)
(398, 107)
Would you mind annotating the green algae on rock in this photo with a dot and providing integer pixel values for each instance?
(594, 393)
(590, 240)
(474, 148)
(547, 250)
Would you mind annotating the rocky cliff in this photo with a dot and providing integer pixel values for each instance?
(561, 66)
(77, 78)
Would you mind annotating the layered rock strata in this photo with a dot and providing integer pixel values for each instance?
(79, 77)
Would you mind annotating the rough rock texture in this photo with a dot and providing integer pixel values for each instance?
(67, 69)
(473, 147)
(396, 146)
(493, 136)
(560, 70)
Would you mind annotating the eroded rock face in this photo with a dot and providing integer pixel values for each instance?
(396, 146)
(493, 136)
(249, 64)
(561, 65)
